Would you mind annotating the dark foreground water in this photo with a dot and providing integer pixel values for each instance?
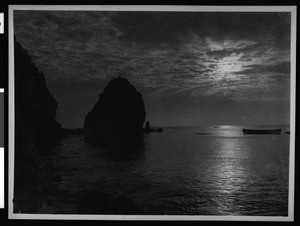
(221, 172)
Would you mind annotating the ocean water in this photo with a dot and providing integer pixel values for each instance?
(220, 172)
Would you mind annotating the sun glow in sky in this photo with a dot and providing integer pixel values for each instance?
(191, 68)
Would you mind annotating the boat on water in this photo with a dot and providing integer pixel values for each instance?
(262, 131)
(202, 133)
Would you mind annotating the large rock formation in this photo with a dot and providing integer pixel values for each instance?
(35, 107)
(35, 124)
(118, 116)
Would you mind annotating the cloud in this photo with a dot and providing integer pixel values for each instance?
(278, 68)
(176, 27)
(236, 48)
(215, 55)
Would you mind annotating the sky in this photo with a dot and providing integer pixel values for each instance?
(192, 68)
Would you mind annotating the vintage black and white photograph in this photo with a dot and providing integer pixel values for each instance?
(152, 112)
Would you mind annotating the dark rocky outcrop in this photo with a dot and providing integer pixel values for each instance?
(159, 130)
(35, 124)
(35, 107)
(148, 128)
(118, 116)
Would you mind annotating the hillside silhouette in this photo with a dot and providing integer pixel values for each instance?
(35, 125)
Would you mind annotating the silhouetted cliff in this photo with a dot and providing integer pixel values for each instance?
(35, 125)
(35, 107)
(118, 115)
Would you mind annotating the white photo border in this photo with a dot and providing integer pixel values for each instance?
(11, 113)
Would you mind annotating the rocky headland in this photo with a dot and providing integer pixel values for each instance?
(35, 127)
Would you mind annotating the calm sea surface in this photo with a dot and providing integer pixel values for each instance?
(221, 172)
